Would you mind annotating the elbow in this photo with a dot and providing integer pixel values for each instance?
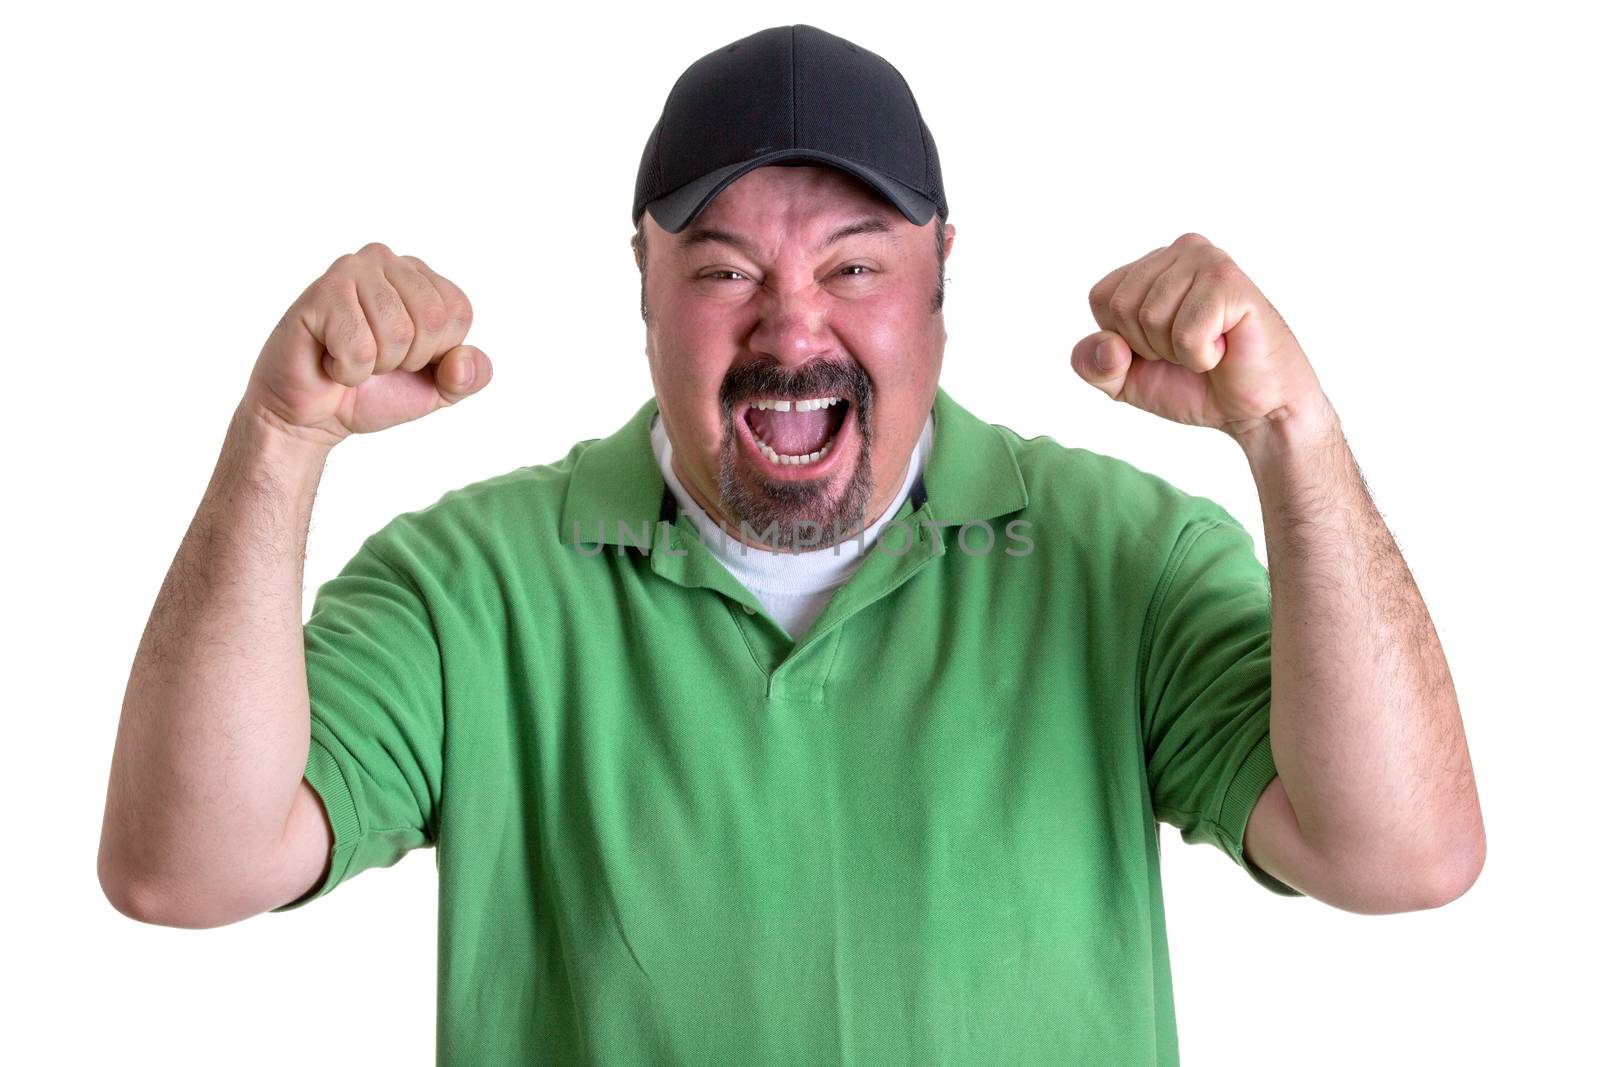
(1454, 870)
(131, 899)
(115, 886)
(1443, 875)
(142, 904)
(136, 898)
(129, 895)
(148, 902)
(1393, 883)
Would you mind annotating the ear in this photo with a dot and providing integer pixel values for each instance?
(949, 239)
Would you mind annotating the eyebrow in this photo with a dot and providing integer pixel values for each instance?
(701, 235)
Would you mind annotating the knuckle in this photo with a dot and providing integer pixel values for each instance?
(390, 314)
(433, 315)
(332, 285)
(460, 309)
(399, 332)
(1191, 239)
(1171, 283)
(355, 342)
(377, 247)
(1122, 308)
(1149, 316)
(1188, 338)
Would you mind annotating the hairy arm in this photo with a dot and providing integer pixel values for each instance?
(215, 724)
(1375, 808)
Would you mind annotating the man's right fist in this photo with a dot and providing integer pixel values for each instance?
(374, 342)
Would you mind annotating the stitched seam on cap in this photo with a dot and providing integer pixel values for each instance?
(794, 90)
(922, 129)
(927, 159)
(655, 157)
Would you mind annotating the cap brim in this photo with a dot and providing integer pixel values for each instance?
(678, 208)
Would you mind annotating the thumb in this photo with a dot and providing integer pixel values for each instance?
(464, 370)
(1102, 359)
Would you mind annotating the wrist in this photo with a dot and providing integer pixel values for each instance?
(1295, 429)
(264, 447)
(271, 433)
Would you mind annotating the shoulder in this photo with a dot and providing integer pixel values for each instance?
(1095, 494)
(513, 511)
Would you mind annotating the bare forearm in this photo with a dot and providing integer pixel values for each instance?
(1367, 733)
(215, 724)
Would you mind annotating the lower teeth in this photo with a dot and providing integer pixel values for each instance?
(793, 461)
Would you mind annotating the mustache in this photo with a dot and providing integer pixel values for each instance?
(820, 377)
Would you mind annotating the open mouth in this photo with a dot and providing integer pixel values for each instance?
(796, 432)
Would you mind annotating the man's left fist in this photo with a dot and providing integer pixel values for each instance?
(1211, 350)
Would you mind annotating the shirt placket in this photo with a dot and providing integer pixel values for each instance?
(790, 670)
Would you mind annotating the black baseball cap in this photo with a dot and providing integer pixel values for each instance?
(789, 95)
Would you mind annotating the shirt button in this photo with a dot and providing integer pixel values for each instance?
(748, 610)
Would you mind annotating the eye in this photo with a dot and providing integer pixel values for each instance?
(713, 274)
(857, 266)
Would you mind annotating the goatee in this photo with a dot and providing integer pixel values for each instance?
(797, 515)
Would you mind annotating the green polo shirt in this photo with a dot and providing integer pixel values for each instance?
(924, 834)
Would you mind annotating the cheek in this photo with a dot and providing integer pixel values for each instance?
(894, 338)
(690, 346)
(688, 365)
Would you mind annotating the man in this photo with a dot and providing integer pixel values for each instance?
(807, 717)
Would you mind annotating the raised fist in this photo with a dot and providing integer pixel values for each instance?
(374, 342)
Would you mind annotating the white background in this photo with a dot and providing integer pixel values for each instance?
(1410, 185)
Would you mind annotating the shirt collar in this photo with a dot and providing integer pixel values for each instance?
(972, 474)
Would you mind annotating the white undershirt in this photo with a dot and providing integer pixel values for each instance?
(794, 587)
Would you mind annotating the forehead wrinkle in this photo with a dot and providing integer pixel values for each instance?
(697, 234)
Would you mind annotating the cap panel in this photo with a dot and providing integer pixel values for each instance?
(733, 104)
(787, 92)
(854, 105)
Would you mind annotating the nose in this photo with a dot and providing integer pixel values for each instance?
(793, 328)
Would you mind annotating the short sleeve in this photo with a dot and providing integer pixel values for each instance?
(1206, 688)
(374, 676)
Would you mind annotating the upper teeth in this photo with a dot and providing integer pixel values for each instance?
(798, 405)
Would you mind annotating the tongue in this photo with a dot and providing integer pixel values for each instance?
(792, 433)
